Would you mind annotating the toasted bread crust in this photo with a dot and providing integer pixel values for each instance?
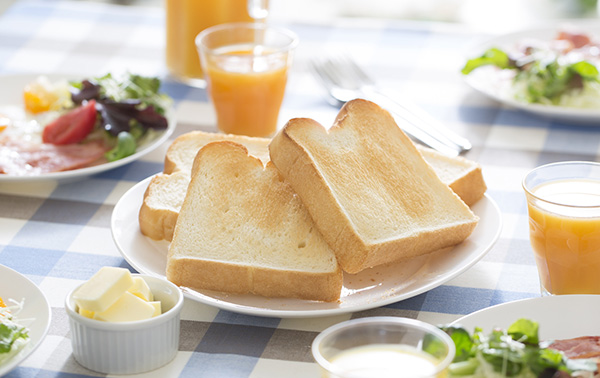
(157, 216)
(345, 186)
(468, 182)
(181, 152)
(250, 234)
(243, 279)
(165, 192)
(158, 223)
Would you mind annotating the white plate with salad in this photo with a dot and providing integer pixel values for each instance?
(61, 128)
(30, 312)
(551, 72)
(562, 317)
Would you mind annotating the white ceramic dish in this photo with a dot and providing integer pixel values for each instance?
(369, 289)
(559, 317)
(11, 95)
(489, 81)
(35, 313)
(128, 347)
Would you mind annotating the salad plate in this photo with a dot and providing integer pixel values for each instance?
(35, 313)
(559, 317)
(11, 98)
(371, 288)
(497, 84)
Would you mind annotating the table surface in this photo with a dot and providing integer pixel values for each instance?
(58, 234)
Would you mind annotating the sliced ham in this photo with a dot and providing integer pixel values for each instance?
(577, 39)
(579, 347)
(20, 158)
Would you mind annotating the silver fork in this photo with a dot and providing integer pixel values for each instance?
(345, 80)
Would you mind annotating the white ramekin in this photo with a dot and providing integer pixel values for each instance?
(128, 347)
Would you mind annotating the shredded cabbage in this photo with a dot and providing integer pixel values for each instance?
(14, 336)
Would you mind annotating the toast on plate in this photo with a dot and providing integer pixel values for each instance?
(242, 229)
(181, 153)
(166, 191)
(369, 190)
(463, 176)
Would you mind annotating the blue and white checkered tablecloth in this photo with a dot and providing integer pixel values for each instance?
(58, 235)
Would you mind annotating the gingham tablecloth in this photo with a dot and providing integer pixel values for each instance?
(58, 235)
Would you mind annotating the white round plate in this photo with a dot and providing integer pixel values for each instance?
(11, 95)
(492, 83)
(559, 317)
(369, 289)
(14, 285)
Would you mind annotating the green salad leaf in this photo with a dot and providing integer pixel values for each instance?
(540, 77)
(493, 56)
(9, 333)
(126, 146)
(514, 352)
(133, 87)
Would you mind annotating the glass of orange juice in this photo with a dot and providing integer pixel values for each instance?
(246, 67)
(381, 347)
(186, 18)
(563, 200)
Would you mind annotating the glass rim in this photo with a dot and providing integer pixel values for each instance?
(294, 40)
(550, 165)
(392, 320)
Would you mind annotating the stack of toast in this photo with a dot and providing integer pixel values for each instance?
(286, 217)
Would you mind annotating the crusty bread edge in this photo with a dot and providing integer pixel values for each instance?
(353, 254)
(156, 224)
(471, 186)
(463, 187)
(220, 276)
(217, 275)
(294, 163)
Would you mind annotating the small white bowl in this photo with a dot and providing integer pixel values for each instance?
(128, 347)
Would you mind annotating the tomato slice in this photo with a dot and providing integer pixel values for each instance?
(71, 127)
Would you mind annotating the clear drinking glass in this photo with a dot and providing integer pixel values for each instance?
(246, 67)
(563, 200)
(382, 347)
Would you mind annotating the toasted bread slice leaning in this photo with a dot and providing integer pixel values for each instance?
(165, 193)
(369, 190)
(242, 229)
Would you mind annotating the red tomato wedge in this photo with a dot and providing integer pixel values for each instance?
(71, 127)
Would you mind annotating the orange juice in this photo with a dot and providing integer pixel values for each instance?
(565, 235)
(246, 86)
(184, 20)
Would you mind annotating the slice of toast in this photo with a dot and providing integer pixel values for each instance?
(181, 153)
(462, 175)
(165, 193)
(161, 204)
(369, 190)
(242, 229)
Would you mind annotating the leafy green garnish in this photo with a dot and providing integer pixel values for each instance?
(462, 341)
(134, 87)
(525, 331)
(126, 146)
(544, 76)
(9, 333)
(492, 56)
(515, 352)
